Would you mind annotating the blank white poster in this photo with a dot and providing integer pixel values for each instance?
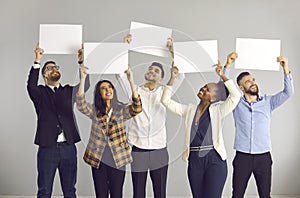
(149, 39)
(60, 38)
(196, 56)
(106, 58)
(259, 54)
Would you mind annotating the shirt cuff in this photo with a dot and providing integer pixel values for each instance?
(136, 99)
(36, 66)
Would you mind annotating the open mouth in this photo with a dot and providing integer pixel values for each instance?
(253, 87)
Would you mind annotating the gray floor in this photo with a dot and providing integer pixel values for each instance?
(273, 196)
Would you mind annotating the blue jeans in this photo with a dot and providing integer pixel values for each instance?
(207, 174)
(62, 157)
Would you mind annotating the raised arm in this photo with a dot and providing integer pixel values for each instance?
(133, 87)
(32, 82)
(220, 71)
(81, 64)
(176, 78)
(83, 76)
(288, 90)
(226, 69)
(166, 100)
(283, 61)
(136, 106)
(230, 59)
(123, 79)
(231, 102)
(83, 106)
(38, 54)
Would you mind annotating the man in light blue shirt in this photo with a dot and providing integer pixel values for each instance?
(252, 137)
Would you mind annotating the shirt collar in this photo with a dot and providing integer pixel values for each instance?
(259, 98)
(147, 89)
(52, 87)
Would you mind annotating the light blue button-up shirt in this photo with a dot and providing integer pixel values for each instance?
(252, 120)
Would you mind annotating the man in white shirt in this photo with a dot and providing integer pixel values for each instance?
(147, 134)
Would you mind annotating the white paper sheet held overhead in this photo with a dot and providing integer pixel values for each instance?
(196, 56)
(60, 39)
(259, 54)
(149, 39)
(106, 58)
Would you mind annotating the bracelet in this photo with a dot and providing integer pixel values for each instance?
(80, 62)
(35, 62)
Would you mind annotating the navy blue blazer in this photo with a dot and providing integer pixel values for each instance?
(54, 110)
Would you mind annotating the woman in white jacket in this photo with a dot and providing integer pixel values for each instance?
(204, 146)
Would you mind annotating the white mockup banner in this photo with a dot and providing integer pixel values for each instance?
(258, 54)
(196, 56)
(106, 58)
(149, 39)
(60, 39)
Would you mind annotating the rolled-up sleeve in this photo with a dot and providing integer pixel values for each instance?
(134, 108)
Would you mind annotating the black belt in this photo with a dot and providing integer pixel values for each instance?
(58, 144)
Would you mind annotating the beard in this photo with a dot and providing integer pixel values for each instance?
(56, 77)
(253, 93)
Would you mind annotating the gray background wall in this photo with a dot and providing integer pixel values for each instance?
(200, 20)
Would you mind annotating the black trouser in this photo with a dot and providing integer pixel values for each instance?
(156, 161)
(244, 165)
(108, 180)
(207, 174)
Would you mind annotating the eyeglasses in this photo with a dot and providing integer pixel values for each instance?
(49, 68)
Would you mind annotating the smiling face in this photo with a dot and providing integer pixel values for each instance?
(51, 72)
(153, 74)
(248, 85)
(208, 92)
(106, 91)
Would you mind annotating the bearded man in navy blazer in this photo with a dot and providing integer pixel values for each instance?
(57, 131)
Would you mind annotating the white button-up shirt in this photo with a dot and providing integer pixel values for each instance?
(147, 130)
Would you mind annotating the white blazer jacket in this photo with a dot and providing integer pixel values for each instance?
(217, 112)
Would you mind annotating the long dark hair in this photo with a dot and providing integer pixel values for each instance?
(100, 104)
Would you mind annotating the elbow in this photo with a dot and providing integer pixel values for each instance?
(139, 109)
(292, 92)
(78, 106)
(164, 102)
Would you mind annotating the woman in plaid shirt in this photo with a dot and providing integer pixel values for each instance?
(108, 150)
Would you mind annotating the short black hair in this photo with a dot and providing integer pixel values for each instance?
(240, 76)
(46, 63)
(160, 66)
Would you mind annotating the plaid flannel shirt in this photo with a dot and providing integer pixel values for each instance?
(112, 132)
